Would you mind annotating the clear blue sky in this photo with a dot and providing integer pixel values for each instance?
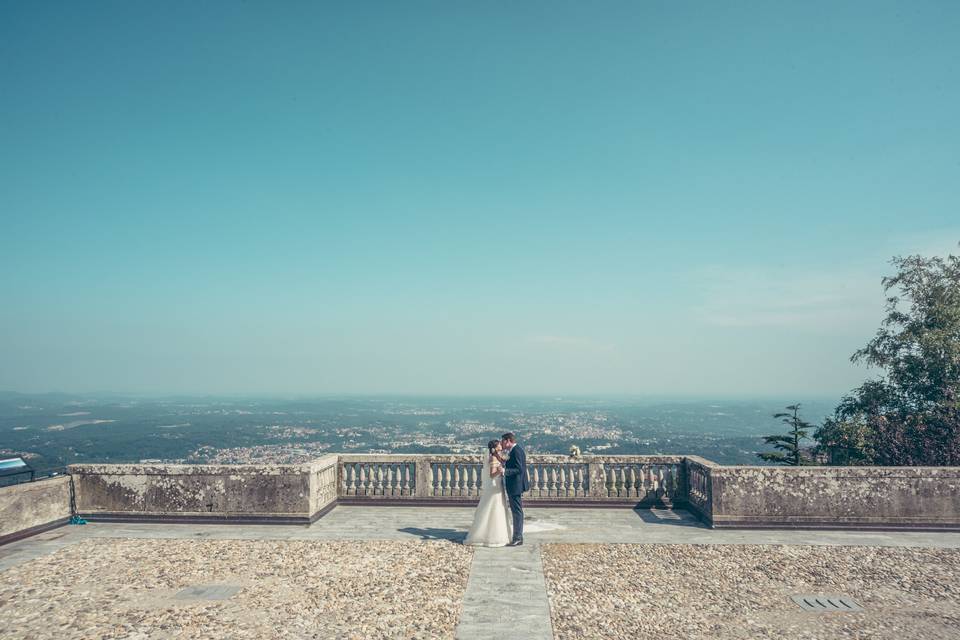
(447, 197)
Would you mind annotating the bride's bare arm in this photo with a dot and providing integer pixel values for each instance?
(495, 469)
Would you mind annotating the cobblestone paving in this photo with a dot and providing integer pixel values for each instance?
(127, 588)
(743, 591)
(370, 572)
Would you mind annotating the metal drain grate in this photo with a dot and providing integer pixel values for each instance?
(826, 604)
(208, 592)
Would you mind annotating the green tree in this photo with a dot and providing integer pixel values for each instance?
(845, 442)
(789, 443)
(910, 415)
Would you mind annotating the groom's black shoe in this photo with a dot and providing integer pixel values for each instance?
(515, 543)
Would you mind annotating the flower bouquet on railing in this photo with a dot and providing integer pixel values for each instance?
(574, 451)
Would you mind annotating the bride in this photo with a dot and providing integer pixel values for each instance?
(492, 523)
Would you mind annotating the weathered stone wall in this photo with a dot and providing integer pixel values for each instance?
(215, 492)
(738, 496)
(831, 497)
(33, 506)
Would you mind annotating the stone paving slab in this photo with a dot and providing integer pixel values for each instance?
(506, 596)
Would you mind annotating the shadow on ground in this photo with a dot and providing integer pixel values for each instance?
(669, 517)
(431, 533)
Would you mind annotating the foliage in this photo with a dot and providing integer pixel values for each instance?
(911, 414)
(845, 442)
(789, 443)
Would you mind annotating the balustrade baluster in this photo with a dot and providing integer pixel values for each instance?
(535, 481)
(348, 479)
(632, 487)
(578, 481)
(405, 487)
(641, 480)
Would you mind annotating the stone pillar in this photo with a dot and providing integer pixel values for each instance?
(424, 488)
(598, 481)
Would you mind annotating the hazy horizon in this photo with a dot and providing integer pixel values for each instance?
(324, 395)
(433, 198)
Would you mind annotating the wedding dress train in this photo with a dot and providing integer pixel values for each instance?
(492, 522)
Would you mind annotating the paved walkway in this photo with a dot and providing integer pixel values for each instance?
(506, 596)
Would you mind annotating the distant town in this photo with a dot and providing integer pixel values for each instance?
(54, 430)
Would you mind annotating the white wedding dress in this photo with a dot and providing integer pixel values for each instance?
(492, 522)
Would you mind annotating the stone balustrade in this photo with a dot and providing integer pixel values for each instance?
(582, 480)
(699, 494)
(721, 496)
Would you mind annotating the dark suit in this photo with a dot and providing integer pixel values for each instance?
(516, 482)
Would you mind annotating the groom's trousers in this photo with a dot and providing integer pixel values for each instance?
(516, 508)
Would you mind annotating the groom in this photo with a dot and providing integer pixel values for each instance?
(516, 482)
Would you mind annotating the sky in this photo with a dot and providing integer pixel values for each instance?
(646, 198)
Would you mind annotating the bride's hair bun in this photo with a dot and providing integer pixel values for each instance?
(492, 445)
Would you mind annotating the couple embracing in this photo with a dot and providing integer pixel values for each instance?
(498, 521)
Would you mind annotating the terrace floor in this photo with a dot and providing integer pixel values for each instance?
(370, 572)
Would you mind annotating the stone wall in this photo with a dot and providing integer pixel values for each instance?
(732, 497)
(32, 507)
(216, 493)
(829, 497)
